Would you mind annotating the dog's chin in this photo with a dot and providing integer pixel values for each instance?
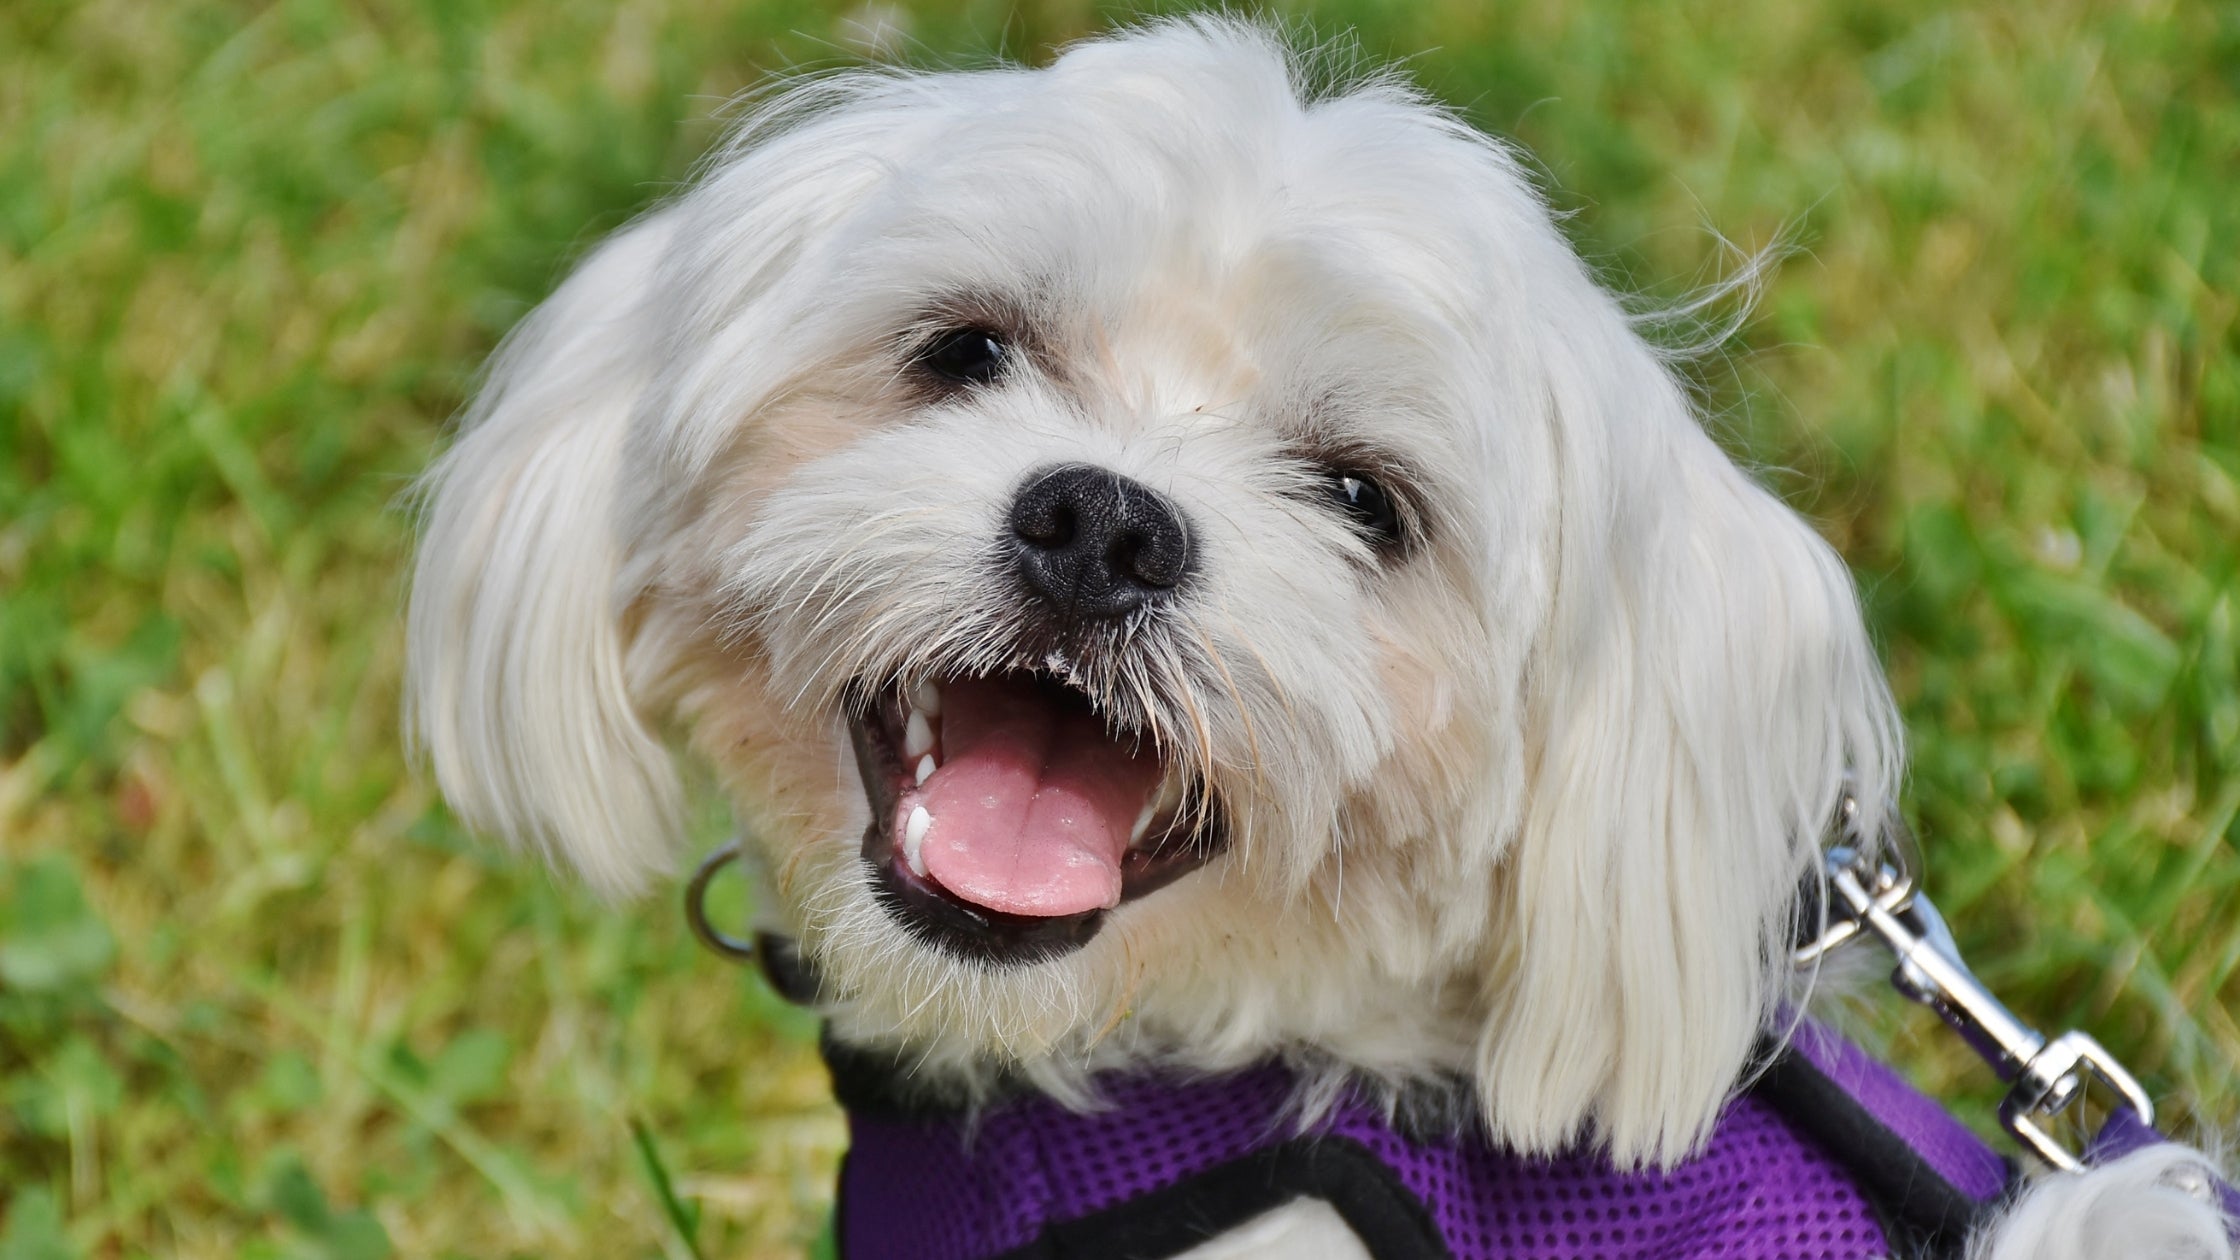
(1009, 817)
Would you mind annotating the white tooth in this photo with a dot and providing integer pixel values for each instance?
(927, 697)
(914, 840)
(917, 739)
(925, 769)
(1143, 821)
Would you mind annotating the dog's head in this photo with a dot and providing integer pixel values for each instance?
(1167, 562)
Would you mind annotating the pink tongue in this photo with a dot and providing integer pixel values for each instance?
(1033, 803)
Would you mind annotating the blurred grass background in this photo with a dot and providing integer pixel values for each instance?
(258, 994)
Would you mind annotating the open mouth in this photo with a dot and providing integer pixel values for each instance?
(1007, 816)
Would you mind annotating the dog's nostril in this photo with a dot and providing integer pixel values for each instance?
(1053, 527)
(1097, 544)
(1122, 555)
(1143, 558)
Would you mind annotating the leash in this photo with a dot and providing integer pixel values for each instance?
(1879, 896)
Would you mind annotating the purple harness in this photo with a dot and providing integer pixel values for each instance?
(1826, 1155)
(1829, 1156)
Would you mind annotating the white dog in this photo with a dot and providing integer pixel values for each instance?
(1175, 565)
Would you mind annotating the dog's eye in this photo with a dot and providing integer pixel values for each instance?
(1369, 506)
(964, 356)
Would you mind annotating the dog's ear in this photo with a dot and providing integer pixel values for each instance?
(1705, 685)
(517, 690)
(533, 666)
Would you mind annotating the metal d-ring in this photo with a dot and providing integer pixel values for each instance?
(696, 906)
(1891, 877)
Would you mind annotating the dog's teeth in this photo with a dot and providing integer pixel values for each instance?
(1143, 820)
(914, 840)
(1160, 802)
(917, 739)
(925, 769)
(926, 697)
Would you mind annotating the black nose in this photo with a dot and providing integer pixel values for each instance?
(1095, 543)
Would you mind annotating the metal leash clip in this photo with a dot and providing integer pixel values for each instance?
(735, 948)
(1882, 896)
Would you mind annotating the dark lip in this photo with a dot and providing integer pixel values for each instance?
(956, 926)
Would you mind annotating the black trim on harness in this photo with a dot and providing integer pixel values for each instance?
(880, 1086)
(1922, 1214)
(1369, 1196)
(1392, 1223)
(1920, 1209)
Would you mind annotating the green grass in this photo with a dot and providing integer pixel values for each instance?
(260, 996)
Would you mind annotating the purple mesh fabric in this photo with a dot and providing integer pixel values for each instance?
(1944, 1143)
(923, 1190)
(1760, 1190)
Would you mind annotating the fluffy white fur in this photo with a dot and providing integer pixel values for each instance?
(2155, 1204)
(1528, 801)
